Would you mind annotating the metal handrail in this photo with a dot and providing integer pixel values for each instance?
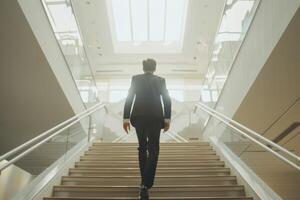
(252, 132)
(24, 153)
(19, 148)
(229, 122)
(177, 135)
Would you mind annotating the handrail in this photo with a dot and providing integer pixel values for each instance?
(229, 122)
(79, 117)
(252, 132)
(179, 136)
(13, 151)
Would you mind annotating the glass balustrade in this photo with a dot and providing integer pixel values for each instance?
(281, 177)
(235, 22)
(245, 153)
(48, 158)
(67, 33)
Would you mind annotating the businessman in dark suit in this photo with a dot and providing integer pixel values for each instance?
(146, 112)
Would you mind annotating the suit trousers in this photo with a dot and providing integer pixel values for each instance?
(148, 134)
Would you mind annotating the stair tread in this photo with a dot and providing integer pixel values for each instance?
(136, 161)
(110, 171)
(159, 168)
(154, 198)
(159, 176)
(155, 186)
(162, 156)
(162, 144)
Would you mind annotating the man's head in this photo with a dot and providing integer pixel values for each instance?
(149, 65)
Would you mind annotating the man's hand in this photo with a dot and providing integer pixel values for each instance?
(126, 127)
(167, 126)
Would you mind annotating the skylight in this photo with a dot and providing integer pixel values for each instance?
(233, 21)
(147, 26)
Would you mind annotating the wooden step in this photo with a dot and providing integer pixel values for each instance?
(136, 171)
(156, 191)
(161, 158)
(168, 168)
(161, 144)
(185, 171)
(153, 198)
(159, 180)
(120, 164)
(162, 148)
(161, 153)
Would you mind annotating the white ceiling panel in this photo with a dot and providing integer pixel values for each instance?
(200, 25)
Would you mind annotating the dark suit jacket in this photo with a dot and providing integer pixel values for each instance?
(147, 90)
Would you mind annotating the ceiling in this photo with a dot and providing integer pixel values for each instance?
(201, 24)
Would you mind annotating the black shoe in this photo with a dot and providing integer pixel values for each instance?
(144, 193)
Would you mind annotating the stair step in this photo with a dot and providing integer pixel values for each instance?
(161, 153)
(136, 171)
(167, 168)
(185, 171)
(156, 191)
(160, 164)
(161, 144)
(192, 157)
(154, 198)
(170, 148)
(159, 161)
(160, 180)
(162, 158)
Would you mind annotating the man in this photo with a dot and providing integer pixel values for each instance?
(147, 115)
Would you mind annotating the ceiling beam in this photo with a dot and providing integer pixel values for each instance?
(165, 20)
(130, 14)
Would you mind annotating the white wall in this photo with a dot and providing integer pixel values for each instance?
(270, 21)
(42, 30)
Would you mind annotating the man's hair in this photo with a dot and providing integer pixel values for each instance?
(149, 65)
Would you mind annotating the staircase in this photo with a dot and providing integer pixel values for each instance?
(185, 171)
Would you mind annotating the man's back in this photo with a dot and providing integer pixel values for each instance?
(147, 90)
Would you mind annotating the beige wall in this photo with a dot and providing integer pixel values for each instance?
(272, 103)
(31, 99)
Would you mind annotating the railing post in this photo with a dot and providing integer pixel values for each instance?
(190, 117)
(89, 128)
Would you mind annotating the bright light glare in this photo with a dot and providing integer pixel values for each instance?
(232, 22)
(139, 20)
(156, 21)
(62, 17)
(174, 19)
(144, 26)
(120, 9)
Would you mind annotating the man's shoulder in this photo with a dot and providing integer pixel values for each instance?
(136, 77)
(159, 78)
(142, 76)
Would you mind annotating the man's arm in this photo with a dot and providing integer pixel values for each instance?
(128, 105)
(167, 105)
